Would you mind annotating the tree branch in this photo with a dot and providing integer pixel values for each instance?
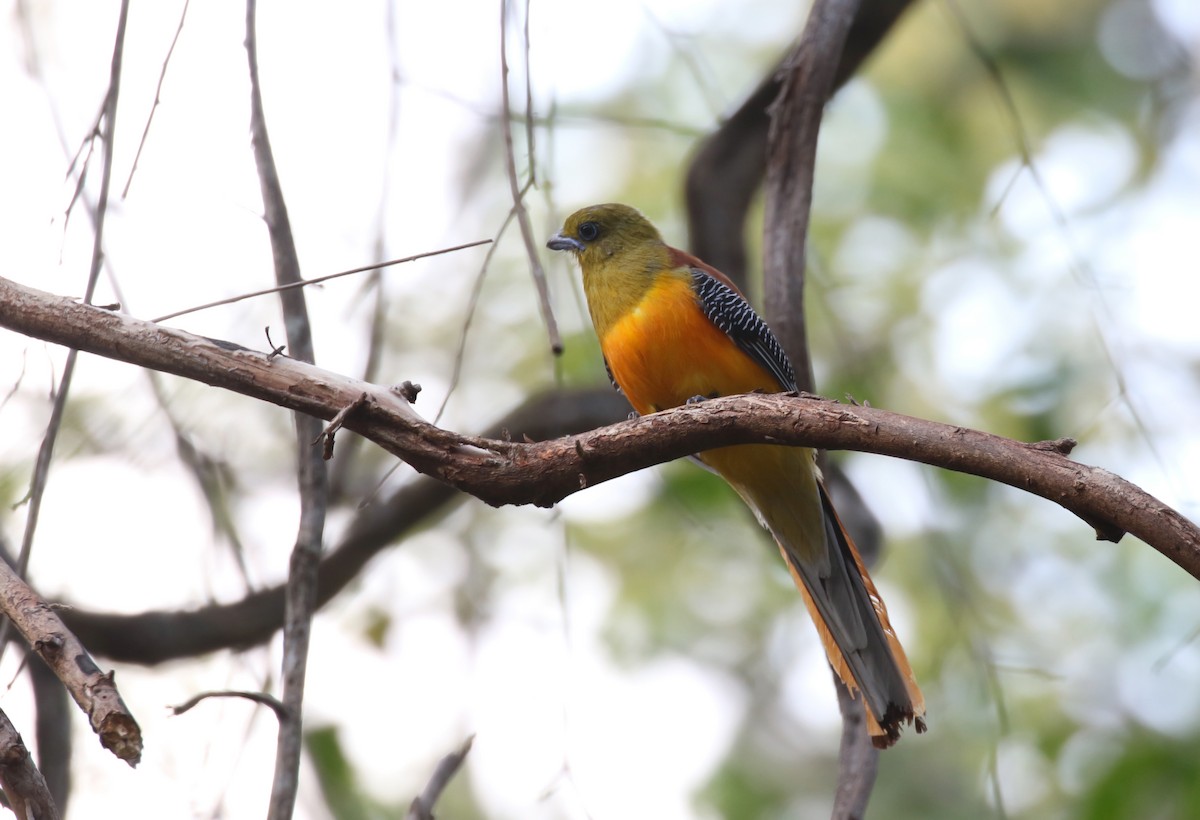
(93, 690)
(447, 767)
(52, 731)
(807, 79)
(543, 473)
(728, 168)
(311, 472)
(28, 795)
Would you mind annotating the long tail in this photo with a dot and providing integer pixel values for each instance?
(782, 486)
(858, 637)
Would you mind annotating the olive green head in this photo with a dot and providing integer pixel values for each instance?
(621, 255)
(598, 233)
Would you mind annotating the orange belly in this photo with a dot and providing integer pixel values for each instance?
(666, 351)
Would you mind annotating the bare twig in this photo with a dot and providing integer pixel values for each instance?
(93, 690)
(41, 470)
(53, 728)
(262, 698)
(447, 767)
(469, 314)
(1078, 262)
(162, 75)
(28, 796)
(543, 473)
(335, 424)
(303, 283)
(312, 475)
(529, 129)
(531, 245)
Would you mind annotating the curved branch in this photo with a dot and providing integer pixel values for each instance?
(728, 168)
(543, 473)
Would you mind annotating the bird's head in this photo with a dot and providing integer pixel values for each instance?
(621, 255)
(599, 234)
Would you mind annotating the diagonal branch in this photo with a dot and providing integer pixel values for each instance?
(94, 691)
(543, 473)
(447, 767)
(518, 195)
(46, 451)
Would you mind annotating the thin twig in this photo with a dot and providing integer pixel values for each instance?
(531, 245)
(1079, 265)
(162, 75)
(693, 62)
(335, 424)
(472, 304)
(262, 698)
(41, 472)
(529, 130)
(303, 283)
(447, 767)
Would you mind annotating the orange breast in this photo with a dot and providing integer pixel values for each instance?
(665, 351)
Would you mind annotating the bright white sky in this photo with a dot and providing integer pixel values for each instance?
(537, 695)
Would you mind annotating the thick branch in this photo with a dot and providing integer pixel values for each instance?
(807, 79)
(542, 473)
(93, 690)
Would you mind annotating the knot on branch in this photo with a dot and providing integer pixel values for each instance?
(1062, 446)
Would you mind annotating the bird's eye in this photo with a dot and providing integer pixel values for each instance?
(589, 231)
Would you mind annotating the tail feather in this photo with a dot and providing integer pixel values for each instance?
(875, 665)
(783, 488)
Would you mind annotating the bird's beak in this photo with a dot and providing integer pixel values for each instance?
(559, 242)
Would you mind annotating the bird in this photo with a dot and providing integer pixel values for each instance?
(673, 331)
